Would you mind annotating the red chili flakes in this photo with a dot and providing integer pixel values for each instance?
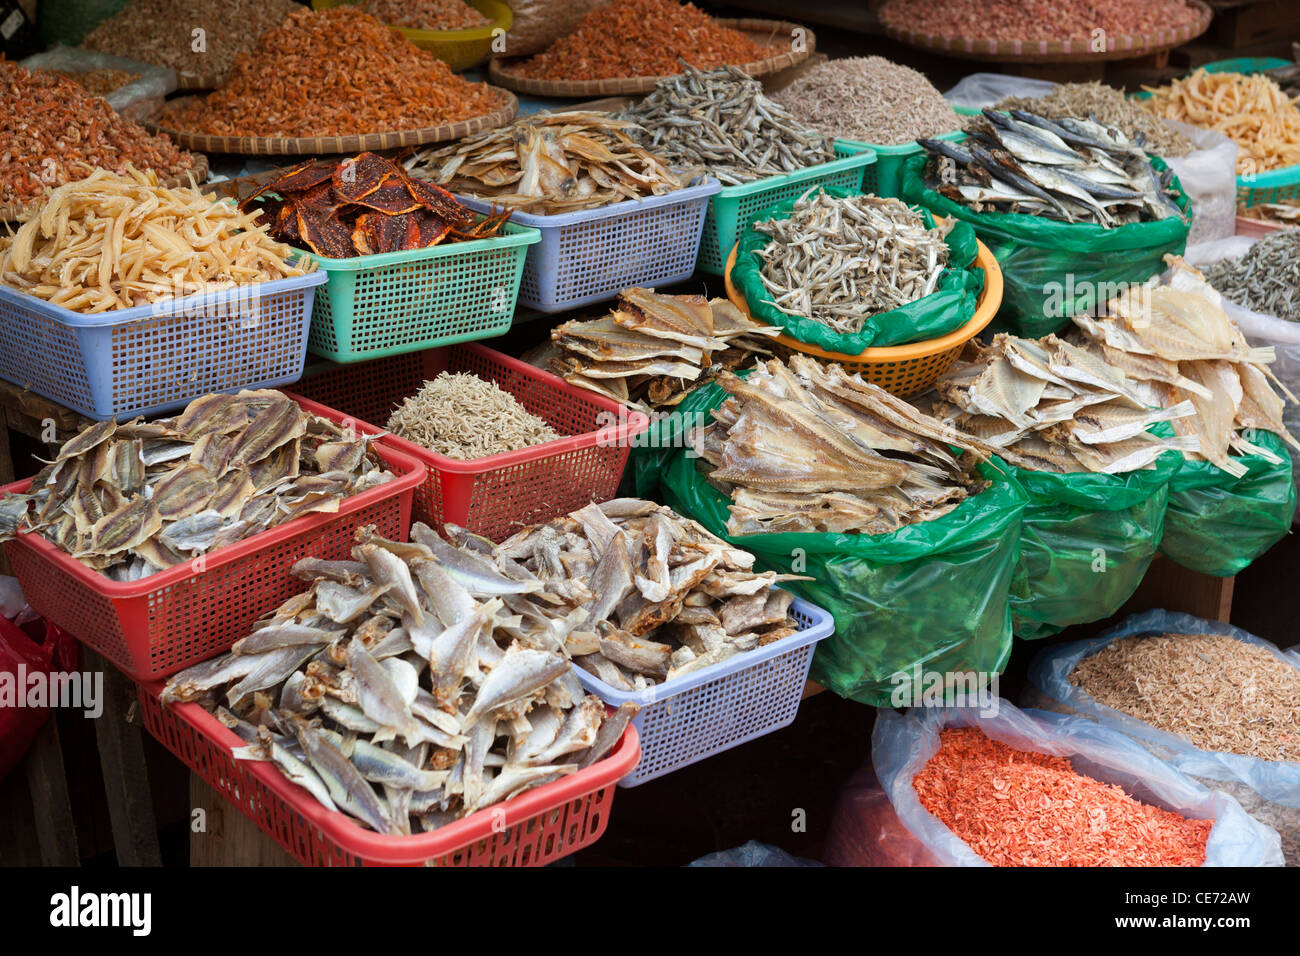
(1018, 808)
(645, 38)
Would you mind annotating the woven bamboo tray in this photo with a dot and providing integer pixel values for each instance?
(1118, 47)
(199, 169)
(501, 72)
(326, 145)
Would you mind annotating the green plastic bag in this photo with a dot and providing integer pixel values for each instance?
(944, 310)
(1217, 524)
(1052, 270)
(931, 596)
(1086, 541)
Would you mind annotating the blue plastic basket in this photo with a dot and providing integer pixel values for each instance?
(156, 358)
(590, 256)
(685, 720)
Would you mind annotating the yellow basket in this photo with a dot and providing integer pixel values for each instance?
(459, 49)
(902, 369)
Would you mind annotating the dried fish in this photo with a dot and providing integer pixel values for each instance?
(225, 468)
(1266, 279)
(839, 261)
(389, 739)
(551, 163)
(463, 416)
(720, 122)
(653, 349)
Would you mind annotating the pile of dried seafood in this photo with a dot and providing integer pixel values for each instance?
(871, 100)
(462, 416)
(653, 349)
(632, 591)
(113, 242)
(363, 206)
(395, 693)
(1175, 339)
(811, 448)
(1068, 169)
(1108, 106)
(721, 122)
(1266, 279)
(52, 132)
(426, 14)
(550, 163)
(841, 261)
(131, 500)
(99, 82)
(1050, 405)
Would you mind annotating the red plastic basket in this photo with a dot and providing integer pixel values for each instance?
(497, 495)
(161, 624)
(532, 829)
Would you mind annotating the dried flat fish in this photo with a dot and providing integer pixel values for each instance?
(231, 466)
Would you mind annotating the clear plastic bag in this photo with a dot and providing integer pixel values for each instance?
(1209, 178)
(1271, 789)
(901, 746)
(139, 100)
(753, 854)
(537, 24)
(985, 89)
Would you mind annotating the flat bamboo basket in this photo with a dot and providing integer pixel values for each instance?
(199, 170)
(326, 145)
(1118, 46)
(503, 72)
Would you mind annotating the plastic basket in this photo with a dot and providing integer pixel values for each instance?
(161, 624)
(735, 207)
(901, 369)
(396, 302)
(157, 358)
(497, 495)
(535, 828)
(1276, 185)
(459, 49)
(685, 720)
(590, 256)
(882, 178)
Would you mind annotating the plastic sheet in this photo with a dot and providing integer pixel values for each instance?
(20, 656)
(931, 596)
(901, 746)
(945, 310)
(1052, 270)
(1270, 789)
(753, 854)
(139, 100)
(1086, 541)
(1208, 175)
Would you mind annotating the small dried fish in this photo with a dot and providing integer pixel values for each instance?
(721, 122)
(463, 416)
(840, 261)
(1266, 279)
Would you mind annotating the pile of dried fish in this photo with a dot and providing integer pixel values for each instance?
(1286, 212)
(871, 100)
(653, 349)
(841, 261)
(1108, 106)
(1068, 169)
(632, 591)
(1266, 279)
(1050, 405)
(810, 447)
(361, 206)
(398, 689)
(113, 242)
(132, 500)
(550, 163)
(462, 416)
(721, 122)
(1174, 339)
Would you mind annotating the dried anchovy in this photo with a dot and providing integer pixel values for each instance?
(1106, 105)
(840, 261)
(1266, 279)
(870, 99)
(722, 122)
(462, 416)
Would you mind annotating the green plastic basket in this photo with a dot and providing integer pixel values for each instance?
(373, 306)
(1277, 185)
(883, 176)
(735, 207)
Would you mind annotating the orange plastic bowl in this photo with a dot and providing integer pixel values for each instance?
(902, 369)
